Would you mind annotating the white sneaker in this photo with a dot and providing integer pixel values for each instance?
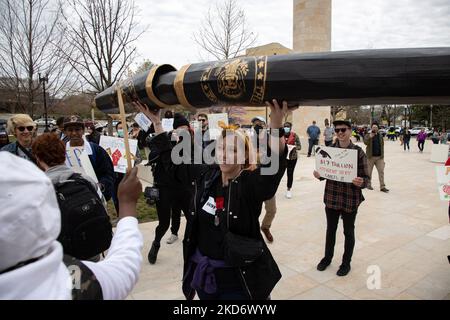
(172, 239)
(289, 194)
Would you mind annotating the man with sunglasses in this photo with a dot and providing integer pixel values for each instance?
(342, 200)
(203, 119)
(24, 129)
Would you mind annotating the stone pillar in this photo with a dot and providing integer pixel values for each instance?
(312, 33)
(312, 25)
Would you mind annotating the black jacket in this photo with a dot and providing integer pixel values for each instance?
(246, 196)
(104, 169)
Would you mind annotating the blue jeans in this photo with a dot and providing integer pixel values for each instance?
(312, 143)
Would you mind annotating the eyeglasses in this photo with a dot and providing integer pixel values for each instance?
(22, 129)
(343, 130)
(202, 120)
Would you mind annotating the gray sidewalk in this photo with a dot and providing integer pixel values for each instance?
(406, 234)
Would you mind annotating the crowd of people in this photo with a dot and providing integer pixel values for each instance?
(65, 224)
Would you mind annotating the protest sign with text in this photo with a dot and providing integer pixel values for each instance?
(115, 147)
(337, 164)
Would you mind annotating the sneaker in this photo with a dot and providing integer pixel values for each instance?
(323, 264)
(386, 190)
(172, 239)
(344, 269)
(267, 233)
(369, 188)
(289, 194)
(153, 253)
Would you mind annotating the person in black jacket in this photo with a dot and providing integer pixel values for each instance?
(174, 197)
(224, 212)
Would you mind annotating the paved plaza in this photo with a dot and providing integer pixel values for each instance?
(404, 234)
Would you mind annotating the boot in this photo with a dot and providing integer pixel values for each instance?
(153, 253)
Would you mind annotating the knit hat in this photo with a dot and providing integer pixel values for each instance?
(179, 120)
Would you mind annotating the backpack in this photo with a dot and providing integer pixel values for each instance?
(85, 227)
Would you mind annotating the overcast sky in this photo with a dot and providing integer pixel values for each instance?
(356, 24)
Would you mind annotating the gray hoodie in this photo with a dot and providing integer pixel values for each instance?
(61, 173)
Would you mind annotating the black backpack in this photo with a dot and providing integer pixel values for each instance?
(85, 227)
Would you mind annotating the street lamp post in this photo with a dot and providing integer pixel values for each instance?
(44, 80)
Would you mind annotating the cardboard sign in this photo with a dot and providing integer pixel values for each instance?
(167, 124)
(115, 147)
(213, 121)
(337, 164)
(143, 122)
(78, 160)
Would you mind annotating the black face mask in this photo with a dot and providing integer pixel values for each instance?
(258, 128)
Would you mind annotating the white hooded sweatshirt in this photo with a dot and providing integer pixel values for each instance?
(30, 223)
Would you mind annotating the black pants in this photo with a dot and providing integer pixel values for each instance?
(349, 232)
(421, 145)
(290, 172)
(405, 144)
(328, 143)
(118, 178)
(312, 143)
(169, 205)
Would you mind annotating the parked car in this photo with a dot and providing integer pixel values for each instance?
(415, 131)
(41, 122)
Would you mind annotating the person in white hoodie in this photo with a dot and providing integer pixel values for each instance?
(31, 263)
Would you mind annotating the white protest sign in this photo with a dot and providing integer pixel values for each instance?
(213, 121)
(337, 164)
(78, 160)
(167, 124)
(115, 147)
(143, 122)
(444, 192)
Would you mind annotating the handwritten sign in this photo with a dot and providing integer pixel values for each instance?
(337, 164)
(213, 122)
(115, 147)
(78, 160)
(167, 124)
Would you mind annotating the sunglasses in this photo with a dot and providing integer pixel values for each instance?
(22, 129)
(202, 120)
(343, 130)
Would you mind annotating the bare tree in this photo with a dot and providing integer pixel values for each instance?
(29, 30)
(103, 34)
(224, 33)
